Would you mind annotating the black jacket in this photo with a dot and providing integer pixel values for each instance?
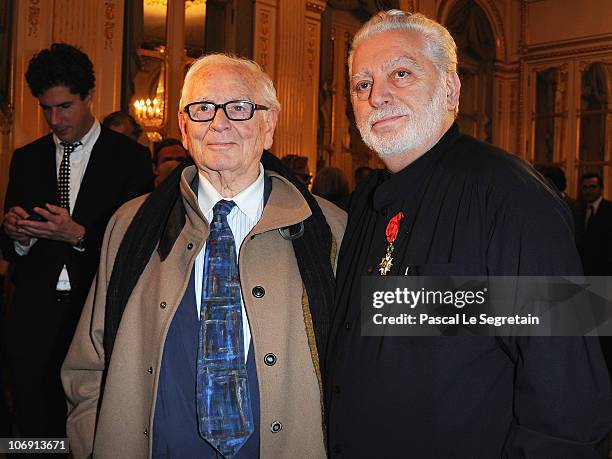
(595, 241)
(118, 170)
(470, 209)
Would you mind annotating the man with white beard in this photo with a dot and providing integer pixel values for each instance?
(468, 208)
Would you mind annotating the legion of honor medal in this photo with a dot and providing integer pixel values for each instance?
(392, 229)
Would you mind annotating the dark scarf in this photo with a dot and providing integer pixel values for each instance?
(161, 218)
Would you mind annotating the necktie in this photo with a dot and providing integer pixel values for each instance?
(589, 215)
(225, 419)
(63, 180)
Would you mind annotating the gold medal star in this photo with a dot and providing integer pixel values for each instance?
(387, 261)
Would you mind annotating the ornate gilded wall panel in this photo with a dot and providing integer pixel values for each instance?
(311, 86)
(296, 77)
(580, 113)
(93, 25)
(506, 103)
(264, 43)
(33, 32)
(289, 76)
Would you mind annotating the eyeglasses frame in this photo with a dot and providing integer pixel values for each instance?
(222, 106)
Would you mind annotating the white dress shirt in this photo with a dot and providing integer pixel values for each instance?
(243, 217)
(79, 159)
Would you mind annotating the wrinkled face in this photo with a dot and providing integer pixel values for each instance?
(68, 116)
(591, 190)
(171, 153)
(398, 95)
(221, 145)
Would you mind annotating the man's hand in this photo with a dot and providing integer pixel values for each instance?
(11, 225)
(59, 225)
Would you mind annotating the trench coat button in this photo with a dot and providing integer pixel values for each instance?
(150, 370)
(370, 269)
(190, 246)
(258, 291)
(163, 305)
(269, 359)
(276, 427)
(146, 432)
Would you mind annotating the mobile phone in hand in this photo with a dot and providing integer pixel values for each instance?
(36, 217)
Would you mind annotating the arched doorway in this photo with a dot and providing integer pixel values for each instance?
(339, 143)
(470, 27)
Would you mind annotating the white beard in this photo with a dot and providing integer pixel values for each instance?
(422, 125)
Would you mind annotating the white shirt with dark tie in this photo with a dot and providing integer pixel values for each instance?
(243, 217)
(79, 159)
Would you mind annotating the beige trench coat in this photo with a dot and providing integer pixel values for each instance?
(289, 390)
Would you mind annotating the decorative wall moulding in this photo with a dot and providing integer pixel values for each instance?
(265, 25)
(408, 5)
(311, 53)
(6, 120)
(110, 11)
(493, 15)
(590, 41)
(578, 51)
(583, 64)
(316, 6)
(33, 17)
(504, 69)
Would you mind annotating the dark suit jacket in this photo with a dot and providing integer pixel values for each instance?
(118, 170)
(595, 241)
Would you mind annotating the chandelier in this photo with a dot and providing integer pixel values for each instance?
(149, 112)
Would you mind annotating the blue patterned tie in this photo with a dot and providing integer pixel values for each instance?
(225, 419)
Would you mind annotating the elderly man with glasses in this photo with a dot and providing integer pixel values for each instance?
(205, 330)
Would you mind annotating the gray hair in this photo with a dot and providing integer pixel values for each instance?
(439, 44)
(250, 71)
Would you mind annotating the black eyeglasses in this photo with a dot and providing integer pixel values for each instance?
(235, 110)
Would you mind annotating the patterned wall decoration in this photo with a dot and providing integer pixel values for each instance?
(109, 23)
(264, 38)
(33, 17)
(311, 52)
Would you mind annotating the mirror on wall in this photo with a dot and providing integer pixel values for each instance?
(195, 28)
(594, 112)
(155, 13)
(548, 116)
(149, 102)
(595, 120)
(149, 98)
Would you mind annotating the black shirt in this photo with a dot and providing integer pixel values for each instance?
(470, 209)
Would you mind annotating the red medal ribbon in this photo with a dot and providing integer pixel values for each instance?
(393, 227)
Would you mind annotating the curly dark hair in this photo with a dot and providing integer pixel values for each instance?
(61, 65)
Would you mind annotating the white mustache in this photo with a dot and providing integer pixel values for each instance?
(386, 111)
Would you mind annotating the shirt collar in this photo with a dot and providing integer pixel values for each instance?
(407, 181)
(88, 140)
(249, 200)
(596, 204)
